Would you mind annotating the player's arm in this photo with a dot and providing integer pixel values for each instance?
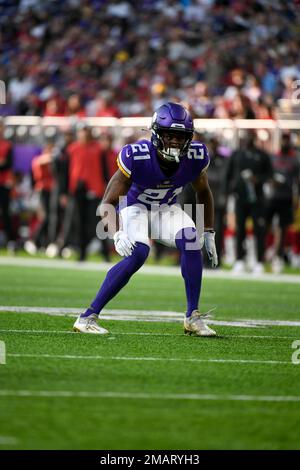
(117, 187)
(204, 196)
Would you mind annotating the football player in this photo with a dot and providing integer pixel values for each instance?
(151, 174)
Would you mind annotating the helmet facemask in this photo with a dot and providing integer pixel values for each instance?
(171, 144)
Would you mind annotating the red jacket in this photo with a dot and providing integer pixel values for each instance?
(42, 174)
(110, 156)
(85, 166)
(6, 176)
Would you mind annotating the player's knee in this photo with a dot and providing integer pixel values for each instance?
(140, 253)
(187, 239)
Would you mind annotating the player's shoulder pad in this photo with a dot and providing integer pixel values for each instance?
(132, 152)
(140, 150)
(198, 151)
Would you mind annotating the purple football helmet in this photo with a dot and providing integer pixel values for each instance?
(172, 119)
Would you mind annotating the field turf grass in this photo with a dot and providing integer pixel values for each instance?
(146, 385)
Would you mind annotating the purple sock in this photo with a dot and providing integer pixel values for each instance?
(187, 241)
(117, 277)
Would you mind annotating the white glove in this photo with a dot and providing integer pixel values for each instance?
(210, 245)
(123, 245)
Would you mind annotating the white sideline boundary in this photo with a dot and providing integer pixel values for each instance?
(152, 270)
(145, 315)
(148, 359)
(147, 396)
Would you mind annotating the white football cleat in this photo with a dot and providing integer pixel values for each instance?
(277, 265)
(239, 267)
(89, 325)
(196, 325)
(258, 269)
(52, 250)
(30, 247)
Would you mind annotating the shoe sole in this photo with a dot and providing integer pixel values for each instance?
(193, 333)
(76, 330)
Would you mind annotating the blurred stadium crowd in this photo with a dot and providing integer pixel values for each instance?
(100, 58)
(222, 58)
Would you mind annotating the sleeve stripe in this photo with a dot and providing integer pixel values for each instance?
(126, 173)
(123, 165)
(205, 168)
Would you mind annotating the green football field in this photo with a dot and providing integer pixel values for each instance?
(146, 385)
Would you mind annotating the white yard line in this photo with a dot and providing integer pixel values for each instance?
(8, 440)
(146, 396)
(151, 359)
(138, 333)
(145, 315)
(153, 270)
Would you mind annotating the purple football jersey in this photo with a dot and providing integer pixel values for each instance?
(150, 186)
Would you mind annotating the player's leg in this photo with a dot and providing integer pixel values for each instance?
(219, 229)
(286, 216)
(135, 223)
(4, 207)
(259, 224)
(188, 243)
(269, 232)
(241, 214)
(67, 224)
(40, 238)
(83, 209)
(178, 229)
